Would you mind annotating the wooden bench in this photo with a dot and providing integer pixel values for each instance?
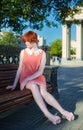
(10, 99)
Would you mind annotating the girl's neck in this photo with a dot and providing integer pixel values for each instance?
(32, 48)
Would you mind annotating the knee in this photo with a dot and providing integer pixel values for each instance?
(33, 87)
(43, 93)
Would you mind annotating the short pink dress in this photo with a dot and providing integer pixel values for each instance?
(30, 65)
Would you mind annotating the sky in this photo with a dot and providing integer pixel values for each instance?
(54, 33)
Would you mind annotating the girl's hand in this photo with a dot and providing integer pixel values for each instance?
(22, 86)
(11, 87)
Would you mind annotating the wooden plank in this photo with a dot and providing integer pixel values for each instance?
(11, 104)
(8, 67)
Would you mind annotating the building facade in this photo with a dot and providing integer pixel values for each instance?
(66, 36)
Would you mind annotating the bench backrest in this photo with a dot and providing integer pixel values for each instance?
(7, 74)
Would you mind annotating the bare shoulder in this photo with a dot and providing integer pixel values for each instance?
(42, 51)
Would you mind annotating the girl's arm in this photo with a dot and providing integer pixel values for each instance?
(36, 74)
(12, 87)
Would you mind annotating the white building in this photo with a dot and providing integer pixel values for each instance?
(66, 37)
(42, 41)
(73, 44)
(73, 47)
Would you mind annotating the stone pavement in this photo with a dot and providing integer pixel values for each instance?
(29, 117)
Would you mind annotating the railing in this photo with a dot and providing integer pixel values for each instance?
(8, 59)
(9, 54)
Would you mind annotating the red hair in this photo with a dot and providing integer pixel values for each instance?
(30, 36)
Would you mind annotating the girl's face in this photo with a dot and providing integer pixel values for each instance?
(30, 45)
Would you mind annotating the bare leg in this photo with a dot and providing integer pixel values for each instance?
(53, 102)
(40, 102)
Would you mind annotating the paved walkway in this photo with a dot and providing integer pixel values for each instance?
(29, 117)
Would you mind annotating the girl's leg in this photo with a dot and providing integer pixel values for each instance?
(53, 102)
(39, 100)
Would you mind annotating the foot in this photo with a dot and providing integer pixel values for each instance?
(69, 116)
(57, 120)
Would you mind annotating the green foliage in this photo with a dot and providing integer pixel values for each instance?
(8, 38)
(73, 51)
(56, 48)
(9, 50)
(20, 14)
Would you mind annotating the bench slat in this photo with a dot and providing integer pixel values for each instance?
(15, 103)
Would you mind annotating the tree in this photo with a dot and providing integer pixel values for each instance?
(73, 51)
(19, 14)
(8, 38)
(56, 48)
